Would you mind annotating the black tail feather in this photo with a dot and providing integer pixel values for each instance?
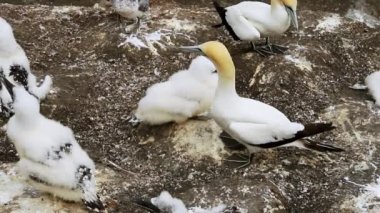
(96, 205)
(309, 130)
(147, 205)
(222, 13)
(321, 147)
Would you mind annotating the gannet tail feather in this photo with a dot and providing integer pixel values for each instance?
(309, 130)
(147, 205)
(222, 13)
(321, 147)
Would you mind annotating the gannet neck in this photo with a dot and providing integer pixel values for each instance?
(226, 88)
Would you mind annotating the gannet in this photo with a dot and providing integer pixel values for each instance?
(131, 9)
(186, 94)
(166, 203)
(15, 67)
(50, 157)
(373, 84)
(254, 124)
(252, 20)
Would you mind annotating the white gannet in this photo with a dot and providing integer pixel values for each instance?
(130, 9)
(186, 94)
(50, 157)
(166, 203)
(373, 84)
(252, 20)
(254, 124)
(15, 67)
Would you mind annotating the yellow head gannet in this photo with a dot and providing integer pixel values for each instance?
(252, 20)
(50, 157)
(254, 124)
(186, 94)
(14, 66)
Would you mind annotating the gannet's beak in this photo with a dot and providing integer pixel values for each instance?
(195, 49)
(293, 16)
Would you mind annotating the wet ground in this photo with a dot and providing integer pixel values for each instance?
(99, 78)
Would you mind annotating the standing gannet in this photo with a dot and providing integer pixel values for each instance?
(131, 9)
(252, 20)
(15, 67)
(186, 94)
(50, 157)
(254, 124)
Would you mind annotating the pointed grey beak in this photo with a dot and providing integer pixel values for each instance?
(192, 49)
(293, 16)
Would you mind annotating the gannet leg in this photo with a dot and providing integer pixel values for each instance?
(273, 48)
(246, 161)
(261, 51)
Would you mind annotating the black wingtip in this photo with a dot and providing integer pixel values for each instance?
(315, 128)
(222, 14)
(217, 25)
(96, 206)
(147, 205)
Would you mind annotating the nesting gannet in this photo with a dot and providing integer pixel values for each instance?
(252, 20)
(254, 124)
(187, 93)
(373, 84)
(166, 203)
(50, 157)
(15, 67)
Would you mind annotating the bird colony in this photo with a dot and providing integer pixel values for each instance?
(51, 159)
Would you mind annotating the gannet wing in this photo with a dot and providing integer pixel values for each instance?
(261, 135)
(240, 25)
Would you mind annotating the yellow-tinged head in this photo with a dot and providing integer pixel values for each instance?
(290, 3)
(219, 55)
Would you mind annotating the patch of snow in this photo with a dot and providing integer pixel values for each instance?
(9, 189)
(329, 23)
(360, 16)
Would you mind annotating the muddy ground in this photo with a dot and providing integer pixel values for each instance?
(99, 78)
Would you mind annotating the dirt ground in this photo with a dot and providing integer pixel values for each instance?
(99, 79)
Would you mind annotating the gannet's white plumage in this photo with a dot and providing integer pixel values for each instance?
(187, 93)
(166, 203)
(254, 124)
(50, 157)
(15, 65)
(252, 20)
(130, 9)
(373, 84)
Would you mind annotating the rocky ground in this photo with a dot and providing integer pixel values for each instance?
(100, 72)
